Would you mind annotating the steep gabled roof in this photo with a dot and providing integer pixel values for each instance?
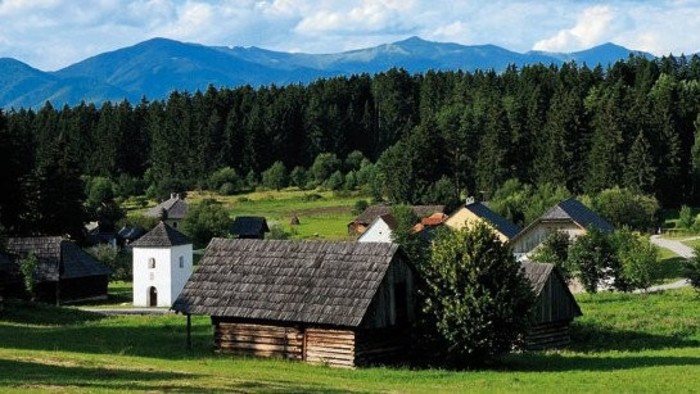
(162, 235)
(249, 226)
(175, 207)
(374, 211)
(58, 258)
(539, 274)
(502, 225)
(572, 209)
(314, 282)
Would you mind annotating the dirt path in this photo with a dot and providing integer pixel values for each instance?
(674, 246)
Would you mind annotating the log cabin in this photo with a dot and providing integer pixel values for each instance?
(554, 310)
(344, 304)
(64, 271)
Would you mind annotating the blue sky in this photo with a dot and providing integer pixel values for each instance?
(50, 34)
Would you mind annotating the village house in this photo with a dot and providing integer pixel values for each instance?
(476, 212)
(569, 216)
(162, 263)
(172, 211)
(554, 310)
(360, 224)
(249, 227)
(382, 228)
(343, 304)
(64, 272)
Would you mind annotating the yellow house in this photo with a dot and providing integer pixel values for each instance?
(476, 212)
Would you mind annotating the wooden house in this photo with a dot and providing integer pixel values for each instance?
(555, 307)
(360, 224)
(64, 271)
(476, 212)
(569, 216)
(343, 304)
(172, 211)
(249, 227)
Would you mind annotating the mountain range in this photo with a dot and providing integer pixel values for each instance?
(156, 67)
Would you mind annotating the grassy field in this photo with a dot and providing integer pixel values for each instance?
(624, 343)
(322, 214)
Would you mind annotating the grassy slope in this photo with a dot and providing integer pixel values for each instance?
(326, 217)
(632, 343)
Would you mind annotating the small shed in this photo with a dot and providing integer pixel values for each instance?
(360, 224)
(64, 272)
(343, 304)
(555, 307)
(249, 227)
(172, 211)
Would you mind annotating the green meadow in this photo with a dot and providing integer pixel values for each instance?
(623, 343)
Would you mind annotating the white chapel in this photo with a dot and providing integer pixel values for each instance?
(162, 264)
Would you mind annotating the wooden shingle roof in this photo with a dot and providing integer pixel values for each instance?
(558, 296)
(374, 211)
(58, 258)
(315, 282)
(249, 226)
(175, 207)
(572, 209)
(162, 235)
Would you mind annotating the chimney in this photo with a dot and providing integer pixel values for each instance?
(172, 195)
(470, 200)
(177, 196)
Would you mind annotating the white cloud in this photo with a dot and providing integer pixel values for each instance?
(592, 27)
(49, 34)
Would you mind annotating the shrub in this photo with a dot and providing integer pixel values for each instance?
(278, 232)
(359, 207)
(555, 250)
(298, 177)
(335, 181)
(639, 259)
(275, 177)
(623, 207)
(685, 218)
(228, 177)
(27, 267)
(594, 258)
(109, 255)
(691, 269)
(476, 296)
(228, 189)
(324, 165)
(206, 220)
(311, 197)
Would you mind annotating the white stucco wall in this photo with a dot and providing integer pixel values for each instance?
(378, 231)
(167, 276)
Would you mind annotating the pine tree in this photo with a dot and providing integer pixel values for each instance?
(639, 168)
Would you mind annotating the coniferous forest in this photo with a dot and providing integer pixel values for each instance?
(633, 124)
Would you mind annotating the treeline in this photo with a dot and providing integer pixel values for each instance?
(631, 125)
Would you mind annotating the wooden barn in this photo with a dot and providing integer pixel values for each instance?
(343, 304)
(360, 224)
(65, 272)
(569, 216)
(555, 307)
(249, 227)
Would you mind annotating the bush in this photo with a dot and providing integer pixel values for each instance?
(594, 258)
(228, 189)
(278, 232)
(691, 269)
(324, 165)
(206, 220)
(476, 296)
(359, 207)
(109, 255)
(275, 177)
(555, 250)
(624, 208)
(335, 181)
(227, 177)
(311, 197)
(298, 177)
(639, 259)
(685, 218)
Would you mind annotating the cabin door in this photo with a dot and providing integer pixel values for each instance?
(152, 296)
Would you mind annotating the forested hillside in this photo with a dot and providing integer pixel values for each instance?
(632, 125)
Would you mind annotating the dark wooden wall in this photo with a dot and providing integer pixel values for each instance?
(554, 303)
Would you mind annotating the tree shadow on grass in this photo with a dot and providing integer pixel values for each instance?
(35, 313)
(553, 362)
(588, 337)
(36, 375)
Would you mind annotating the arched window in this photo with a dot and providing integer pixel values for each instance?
(182, 261)
(151, 263)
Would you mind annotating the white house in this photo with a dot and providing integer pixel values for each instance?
(380, 230)
(162, 265)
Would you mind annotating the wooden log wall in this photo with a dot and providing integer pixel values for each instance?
(259, 340)
(548, 336)
(335, 348)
